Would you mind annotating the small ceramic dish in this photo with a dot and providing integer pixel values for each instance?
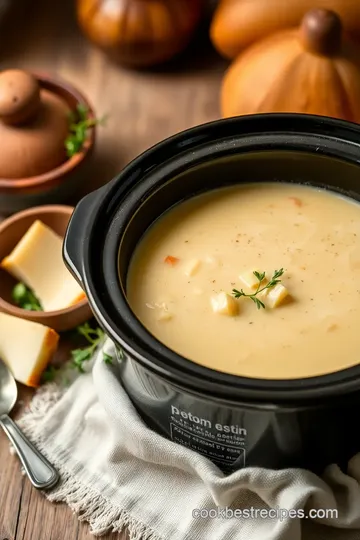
(61, 183)
(11, 231)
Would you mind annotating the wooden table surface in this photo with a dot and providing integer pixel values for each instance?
(142, 109)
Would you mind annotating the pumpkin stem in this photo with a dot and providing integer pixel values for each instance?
(321, 32)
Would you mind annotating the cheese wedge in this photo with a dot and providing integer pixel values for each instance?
(26, 348)
(37, 262)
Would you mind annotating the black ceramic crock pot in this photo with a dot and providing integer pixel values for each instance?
(234, 421)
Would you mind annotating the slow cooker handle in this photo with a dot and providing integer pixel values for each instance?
(75, 235)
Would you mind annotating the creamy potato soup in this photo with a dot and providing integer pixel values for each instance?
(197, 283)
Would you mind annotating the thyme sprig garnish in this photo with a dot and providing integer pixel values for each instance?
(94, 336)
(260, 276)
(79, 124)
(79, 356)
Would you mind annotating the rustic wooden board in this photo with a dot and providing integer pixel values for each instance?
(143, 108)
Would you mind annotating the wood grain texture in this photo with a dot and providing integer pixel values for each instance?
(143, 108)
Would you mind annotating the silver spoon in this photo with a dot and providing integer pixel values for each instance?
(41, 474)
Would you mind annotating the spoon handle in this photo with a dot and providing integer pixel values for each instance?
(41, 474)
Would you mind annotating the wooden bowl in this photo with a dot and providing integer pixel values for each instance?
(58, 185)
(11, 231)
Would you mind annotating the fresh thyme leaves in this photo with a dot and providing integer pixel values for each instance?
(79, 124)
(25, 298)
(49, 375)
(107, 358)
(65, 372)
(260, 276)
(121, 353)
(94, 336)
(60, 375)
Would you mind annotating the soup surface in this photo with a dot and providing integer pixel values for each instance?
(184, 272)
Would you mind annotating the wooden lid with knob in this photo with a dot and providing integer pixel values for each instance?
(19, 97)
(33, 126)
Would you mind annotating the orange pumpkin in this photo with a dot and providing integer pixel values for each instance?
(239, 23)
(139, 33)
(312, 70)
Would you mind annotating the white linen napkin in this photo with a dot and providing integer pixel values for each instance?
(117, 473)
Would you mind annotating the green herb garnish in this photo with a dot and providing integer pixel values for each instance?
(94, 336)
(260, 276)
(49, 374)
(25, 298)
(79, 124)
(107, 358)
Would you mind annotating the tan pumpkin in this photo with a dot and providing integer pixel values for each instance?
(239, 23)
(139, 33)
(311, 70)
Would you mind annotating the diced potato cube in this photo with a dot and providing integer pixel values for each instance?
(164, 315)
(276, 295)
(249, 279)
(192, 267)
(225, 304)
(162, 305)
(214, 261)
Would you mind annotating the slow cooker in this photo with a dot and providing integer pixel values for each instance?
(234, 421)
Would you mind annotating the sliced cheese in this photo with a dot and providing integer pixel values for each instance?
(26, 348)
(37, 262)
